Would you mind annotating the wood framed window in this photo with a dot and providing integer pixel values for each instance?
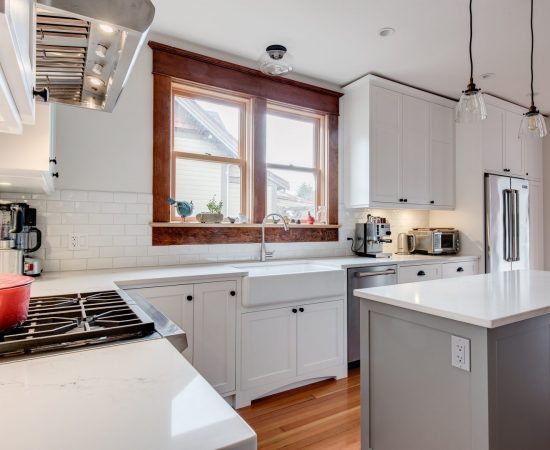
(210, 149)
(258, 143)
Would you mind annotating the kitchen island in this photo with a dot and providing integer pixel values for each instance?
(457, 364)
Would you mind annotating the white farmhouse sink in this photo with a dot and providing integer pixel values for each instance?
(274, 283)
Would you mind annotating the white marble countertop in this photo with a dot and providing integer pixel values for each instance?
(89, 400)
(487, 300)
(54, 283)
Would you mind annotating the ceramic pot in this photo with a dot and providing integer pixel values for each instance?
(207, 217)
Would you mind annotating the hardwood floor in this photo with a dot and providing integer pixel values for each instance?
(323, 415)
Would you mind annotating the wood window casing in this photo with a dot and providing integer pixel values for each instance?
(171, 67)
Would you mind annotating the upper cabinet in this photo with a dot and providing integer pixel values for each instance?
(17, 64)
(503, 151)
(28, 158)
(399, 146)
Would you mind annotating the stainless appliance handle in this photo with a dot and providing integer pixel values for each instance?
(412, 250)
(506, 194)
(374, 274)
(515, 225)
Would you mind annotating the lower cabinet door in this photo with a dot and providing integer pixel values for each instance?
(176, 303)
(214, 333)
(320, 336)
(268, 346)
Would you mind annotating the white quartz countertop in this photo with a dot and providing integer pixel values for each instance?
(487, 300)
(139, 396)
(55, 283)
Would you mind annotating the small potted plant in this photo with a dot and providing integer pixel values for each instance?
(214, 214)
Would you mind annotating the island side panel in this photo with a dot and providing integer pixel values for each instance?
(411, 396)
(519, 385)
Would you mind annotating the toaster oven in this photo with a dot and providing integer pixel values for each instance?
(435, 241)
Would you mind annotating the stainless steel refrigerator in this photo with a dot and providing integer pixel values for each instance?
(506, 223)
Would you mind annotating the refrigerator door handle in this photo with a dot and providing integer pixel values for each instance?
(506, 195)
(515, 225)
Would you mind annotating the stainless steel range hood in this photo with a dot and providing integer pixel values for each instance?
(85, 49)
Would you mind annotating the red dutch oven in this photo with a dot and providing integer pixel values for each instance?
(15, 293)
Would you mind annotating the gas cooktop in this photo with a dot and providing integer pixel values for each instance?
(76, 320)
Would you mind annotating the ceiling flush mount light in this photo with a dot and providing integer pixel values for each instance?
(532, 123)
(386, 31)
(471, 106)
(276, 61)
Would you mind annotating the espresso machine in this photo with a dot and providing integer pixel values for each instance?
(371, 236)
(19, 237)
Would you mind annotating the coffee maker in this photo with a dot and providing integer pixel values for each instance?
(19, 237)
(371, 236)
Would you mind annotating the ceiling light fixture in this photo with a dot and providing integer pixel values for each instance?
(106, 28)
(386, 31)
(276, 61)
(101, 51)
(471, 106)
(5, 183)
(532, 123)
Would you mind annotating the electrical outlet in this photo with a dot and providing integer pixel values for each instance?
(78, 241)
(460, 353)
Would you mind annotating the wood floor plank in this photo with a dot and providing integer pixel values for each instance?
(323, 415)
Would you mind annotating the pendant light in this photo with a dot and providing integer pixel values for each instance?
(471, 106)
(532, 123)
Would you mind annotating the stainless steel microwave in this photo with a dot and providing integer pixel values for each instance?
(435, 241)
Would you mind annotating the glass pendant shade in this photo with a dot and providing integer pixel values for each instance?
(532, 125)
(471, 107)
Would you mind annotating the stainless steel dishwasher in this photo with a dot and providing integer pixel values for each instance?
(360, 278)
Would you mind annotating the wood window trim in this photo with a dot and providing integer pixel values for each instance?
(171, 65)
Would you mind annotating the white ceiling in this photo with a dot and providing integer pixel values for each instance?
(338, 41)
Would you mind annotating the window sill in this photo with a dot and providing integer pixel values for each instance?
(192, 233)
(236, 225)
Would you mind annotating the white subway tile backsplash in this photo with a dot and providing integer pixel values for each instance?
(119, 233)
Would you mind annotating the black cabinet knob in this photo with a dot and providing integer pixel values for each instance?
(294, 310)
(421, 273)
(232, 293)
(53, 160)
(432, 202)
(301, 309)
(460, 269)
(189, 298)
(405, 200)
(400, 199)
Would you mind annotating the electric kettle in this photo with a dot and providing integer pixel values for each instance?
(406, 244)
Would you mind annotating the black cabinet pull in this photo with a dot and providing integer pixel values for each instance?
(189, 298)
(53, 160)
(400, 199)
(232, 293)
(421, 273)
(405, 200)
(43, 93)
(432, 202)
(460, 269)
(294, 310)
(55, 174)
(301, 310)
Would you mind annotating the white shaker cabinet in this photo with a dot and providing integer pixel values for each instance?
(17, 62)
(268, 347)
(415, 156)
(398, 146)
(207, 314)
(503, 150)
(532, 158)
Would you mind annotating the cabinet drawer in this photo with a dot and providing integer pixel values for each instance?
(424, 272)
(459, 269)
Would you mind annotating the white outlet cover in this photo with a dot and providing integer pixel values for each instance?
(78, 241)
(460, 353)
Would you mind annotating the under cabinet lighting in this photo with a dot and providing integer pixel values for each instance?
(97, 69)
(106, 28)
(94, 81)
(4, 183)
(101, 51)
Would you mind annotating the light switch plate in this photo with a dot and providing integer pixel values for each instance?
(460, 353)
